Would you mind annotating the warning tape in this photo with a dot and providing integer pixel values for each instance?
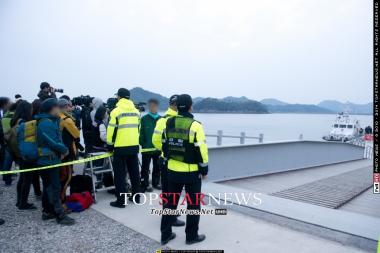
(84, 160)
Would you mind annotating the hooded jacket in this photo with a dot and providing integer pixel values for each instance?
(49, 139)
(123, 128)
(96, 103)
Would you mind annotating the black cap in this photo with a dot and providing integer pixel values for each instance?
(48, 104)
(184, 102)
(44, 85)
(173, 99)
(123, 93)
(17, 96)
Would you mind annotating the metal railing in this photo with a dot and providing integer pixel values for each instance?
(219, 137)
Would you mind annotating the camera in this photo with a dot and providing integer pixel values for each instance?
(82, 101)
(140, 106)
(57, 90)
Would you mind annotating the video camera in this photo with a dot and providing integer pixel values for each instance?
(111, 104)
(82, 101)
(56, 90)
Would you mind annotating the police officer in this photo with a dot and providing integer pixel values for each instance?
(184, 145)
(157, 143)
(123, 139)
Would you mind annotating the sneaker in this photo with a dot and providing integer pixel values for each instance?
(47, 216)
(198, 239)
(27, 206)
(65, 220)
(165, 241)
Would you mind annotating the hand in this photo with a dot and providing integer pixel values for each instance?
(110, 148)
(203, 177)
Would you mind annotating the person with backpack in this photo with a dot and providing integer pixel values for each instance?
(23, 114)
(7, 160)
(52, 151)
(70, 137)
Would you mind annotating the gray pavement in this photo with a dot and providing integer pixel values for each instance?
(24, 231)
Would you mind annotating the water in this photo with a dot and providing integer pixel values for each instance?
(275, 127)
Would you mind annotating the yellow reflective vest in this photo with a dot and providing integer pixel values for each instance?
(123, 127)
(196, 132)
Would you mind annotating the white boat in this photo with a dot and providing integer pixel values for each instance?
(345, 128)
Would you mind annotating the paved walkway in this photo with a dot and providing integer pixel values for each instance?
(24, 231)
(233, 233)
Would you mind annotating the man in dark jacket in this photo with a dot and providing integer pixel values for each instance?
(46, 91)
(52, 151)
(147, 125)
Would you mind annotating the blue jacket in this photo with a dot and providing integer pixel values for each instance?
(49, 138)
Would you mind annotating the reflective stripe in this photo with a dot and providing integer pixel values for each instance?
(203, 164)
(128, 126)
(157, 132)
(112, 125)
(127, 114)
(191, 132)
(197, 144)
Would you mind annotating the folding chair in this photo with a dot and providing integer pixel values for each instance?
(94, 171)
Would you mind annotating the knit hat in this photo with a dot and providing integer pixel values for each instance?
(48, 104)
(63, 102)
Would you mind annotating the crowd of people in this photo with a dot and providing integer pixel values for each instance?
(175, 144)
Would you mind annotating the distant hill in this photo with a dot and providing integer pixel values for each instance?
(213, 105)
(245, 105)
(272, 101)
(296, 108)
(236, 99)
(140, 95)
(336, 106)
(278, 106)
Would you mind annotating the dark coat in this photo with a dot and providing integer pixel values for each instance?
(147, 125)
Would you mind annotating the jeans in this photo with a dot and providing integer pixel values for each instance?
(51, 195)
(7, 166)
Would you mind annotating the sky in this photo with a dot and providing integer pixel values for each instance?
(299, 51)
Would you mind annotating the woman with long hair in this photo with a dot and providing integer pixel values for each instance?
(36, 105)
(23, 113)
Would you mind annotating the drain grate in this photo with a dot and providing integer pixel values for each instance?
(331, 192)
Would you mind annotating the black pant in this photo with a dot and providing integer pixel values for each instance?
(23, 184)
(36, 183)
(145, 170)
(120, 165)
(51, 195)
(192, 221)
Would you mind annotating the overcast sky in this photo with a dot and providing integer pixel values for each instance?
(295, 50)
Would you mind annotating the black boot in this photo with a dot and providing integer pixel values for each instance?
(117, 204)
(166, 240)
(199, 238)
